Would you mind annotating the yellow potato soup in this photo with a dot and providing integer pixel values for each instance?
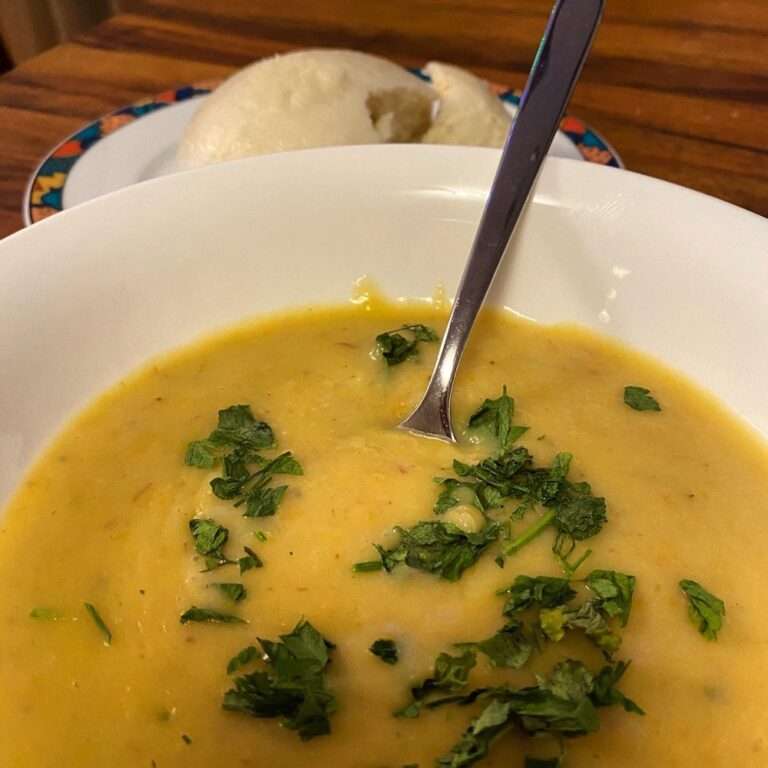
(103, 518)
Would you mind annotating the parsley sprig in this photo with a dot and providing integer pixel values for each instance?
(436, 547)
(246, 474)
(209, 538)
(395, 348)
(510, 475)
(386, 650)
(564, 704)
(294, 688)
(443, 549)
(705, 610)
(610, 598)
(640, 399)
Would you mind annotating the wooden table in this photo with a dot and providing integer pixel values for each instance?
(680, 87)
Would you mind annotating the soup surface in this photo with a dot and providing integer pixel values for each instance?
(104, 518)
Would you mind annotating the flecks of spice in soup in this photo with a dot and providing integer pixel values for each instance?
(103, 518)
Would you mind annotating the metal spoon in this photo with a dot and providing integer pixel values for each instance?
(556, 68)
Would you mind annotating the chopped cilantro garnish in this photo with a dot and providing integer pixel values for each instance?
(605, 693)
(505, 475)
(563, 705)
(439, 548)
(475, 744)
(102, 627)
(614, 591)
(368, 566)
(235, 592)
(386, 650)
(204, 614)
(246, 656)
(455, 492)
(571, 509)
(705, 610)
(612, 599)
(45, 613)
(511, 646)
(588, 617)
(450, 674)
(209, 537)
(249, 560)
(236, 428)
(396, 348)
(496, 417)
(186, 738)
(294, 688)
(235, 444)
(640, 399)
(546, 591)
(252, 488)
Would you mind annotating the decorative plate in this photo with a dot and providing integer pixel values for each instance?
(138, 142)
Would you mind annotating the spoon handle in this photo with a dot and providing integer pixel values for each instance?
(556, 68)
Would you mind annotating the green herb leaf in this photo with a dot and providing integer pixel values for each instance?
(578, 514)
(294, 688)
(495, 720)
(250, 560)
(546, 591)
(236, 428)
(450, 674)
(201, 453)
(235, 443)
(439, 548)
(386, 650)
(396, 348)
(570, 680)
(94, 614)
(263, 502)
(209, 537)
(507, 475)
(186, 739)
(496, 417)
(588, 618)
(705, 610)
(605, 694)
(537, 710)
(235, 592)
(615, 592)
(563, 705)
(640, 399)
(246, 656)
(212, 563)
(237, 480)
(573, 512)
(368, 566)
(509, 647)
(204, 614)
(542, 710)
(455, 492)
(45, 613)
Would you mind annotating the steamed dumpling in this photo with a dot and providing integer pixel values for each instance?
(469, 113)
(320, 98)
(313, 98)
